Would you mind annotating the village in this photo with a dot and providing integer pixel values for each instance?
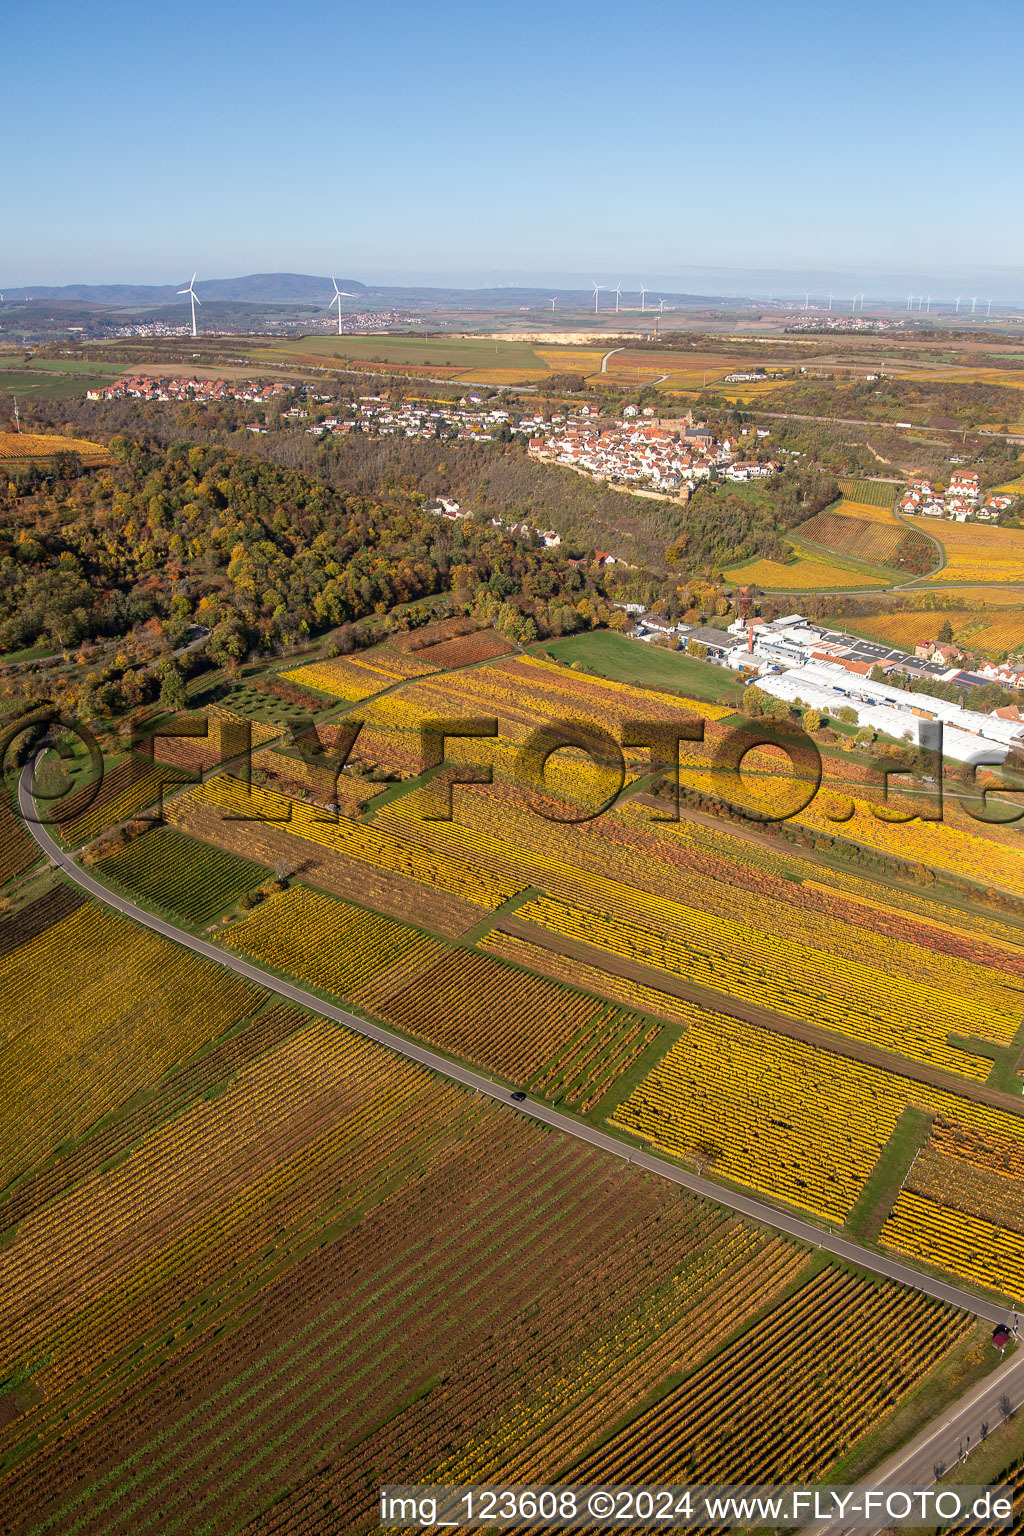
(638, 450)
(959, 503)
(363, 321)
(635, 450)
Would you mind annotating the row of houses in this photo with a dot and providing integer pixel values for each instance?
(141, 386)
(469, 421)
(755, 376)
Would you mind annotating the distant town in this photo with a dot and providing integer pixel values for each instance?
(358, 323)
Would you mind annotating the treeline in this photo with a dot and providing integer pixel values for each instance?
(984, 697)
(725, 524)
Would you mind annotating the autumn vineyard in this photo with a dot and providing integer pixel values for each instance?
(253, 1263)
(511, 790)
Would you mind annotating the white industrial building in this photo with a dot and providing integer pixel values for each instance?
(968, 735)
(826, 669)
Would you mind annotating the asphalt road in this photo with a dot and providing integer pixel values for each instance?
(743, 1205)
(947, 1441)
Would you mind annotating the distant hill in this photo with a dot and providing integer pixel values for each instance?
(275, 288)
(260, 288)
(301, 289)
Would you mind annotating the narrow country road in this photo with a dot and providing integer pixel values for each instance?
(946, 1441)
(744, 1205)
(137, 666)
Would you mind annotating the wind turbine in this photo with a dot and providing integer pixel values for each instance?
(339, 294)
(830, 298)
(662, 309)
(191, 291)
(928, 305)
(643, 299)
(910, 301)
(597, 289)
(974, 304)
(552, 302)
(618, 295)
(990, 306)
(957, 310)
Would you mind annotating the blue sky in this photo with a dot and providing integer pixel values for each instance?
(868, 144)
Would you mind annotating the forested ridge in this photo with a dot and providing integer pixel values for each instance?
(259, 554)
(721, 526)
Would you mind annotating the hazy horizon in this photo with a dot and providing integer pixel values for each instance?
(1005, 289)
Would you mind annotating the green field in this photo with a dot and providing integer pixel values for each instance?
(75, 365)
(436, 351)
(54, 379)
(190, 879)
(625, 660)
